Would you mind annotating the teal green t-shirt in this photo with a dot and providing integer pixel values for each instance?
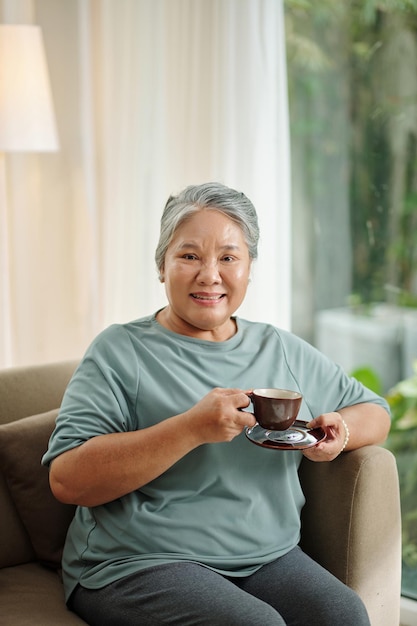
(229, 506)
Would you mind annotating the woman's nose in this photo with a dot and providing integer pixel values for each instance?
(209, 273)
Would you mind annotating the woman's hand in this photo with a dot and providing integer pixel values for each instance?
(366, 424)
(337, 435)
(218, 416)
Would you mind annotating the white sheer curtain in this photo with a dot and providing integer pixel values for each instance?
(150, 96)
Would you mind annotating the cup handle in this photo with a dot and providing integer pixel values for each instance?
(249, 408)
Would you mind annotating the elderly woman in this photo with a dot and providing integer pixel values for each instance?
(181, 519)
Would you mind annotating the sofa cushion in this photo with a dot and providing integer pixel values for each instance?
(32, 595)
(15, 545)
(22, 444)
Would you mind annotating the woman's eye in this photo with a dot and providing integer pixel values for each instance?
(228, 258)
(189, 257)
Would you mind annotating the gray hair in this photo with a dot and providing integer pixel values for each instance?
(214, 196)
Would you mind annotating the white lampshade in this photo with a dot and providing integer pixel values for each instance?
(27, 120)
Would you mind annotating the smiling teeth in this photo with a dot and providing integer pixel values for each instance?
(206, 297)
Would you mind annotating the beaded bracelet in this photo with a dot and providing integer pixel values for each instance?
(347, 434)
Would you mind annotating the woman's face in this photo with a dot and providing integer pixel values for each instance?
(206, 273)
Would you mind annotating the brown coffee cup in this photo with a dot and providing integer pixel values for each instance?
(275, 409)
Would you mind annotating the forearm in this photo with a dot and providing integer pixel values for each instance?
(367, 424)
(109, 466)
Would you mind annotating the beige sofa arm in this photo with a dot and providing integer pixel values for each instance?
(33, 389)
(351, 524)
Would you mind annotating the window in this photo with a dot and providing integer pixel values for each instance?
(352, 72)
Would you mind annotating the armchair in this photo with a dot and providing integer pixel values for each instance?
(350, 523)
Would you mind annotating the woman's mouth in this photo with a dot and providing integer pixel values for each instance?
(205, 297)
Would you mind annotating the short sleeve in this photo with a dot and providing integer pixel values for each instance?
(101, 396)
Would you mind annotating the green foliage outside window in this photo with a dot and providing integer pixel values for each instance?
(402, 441)
(374, 43)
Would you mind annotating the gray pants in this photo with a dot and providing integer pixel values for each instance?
(293, 590)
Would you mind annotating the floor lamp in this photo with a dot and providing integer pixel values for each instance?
(27, 124)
